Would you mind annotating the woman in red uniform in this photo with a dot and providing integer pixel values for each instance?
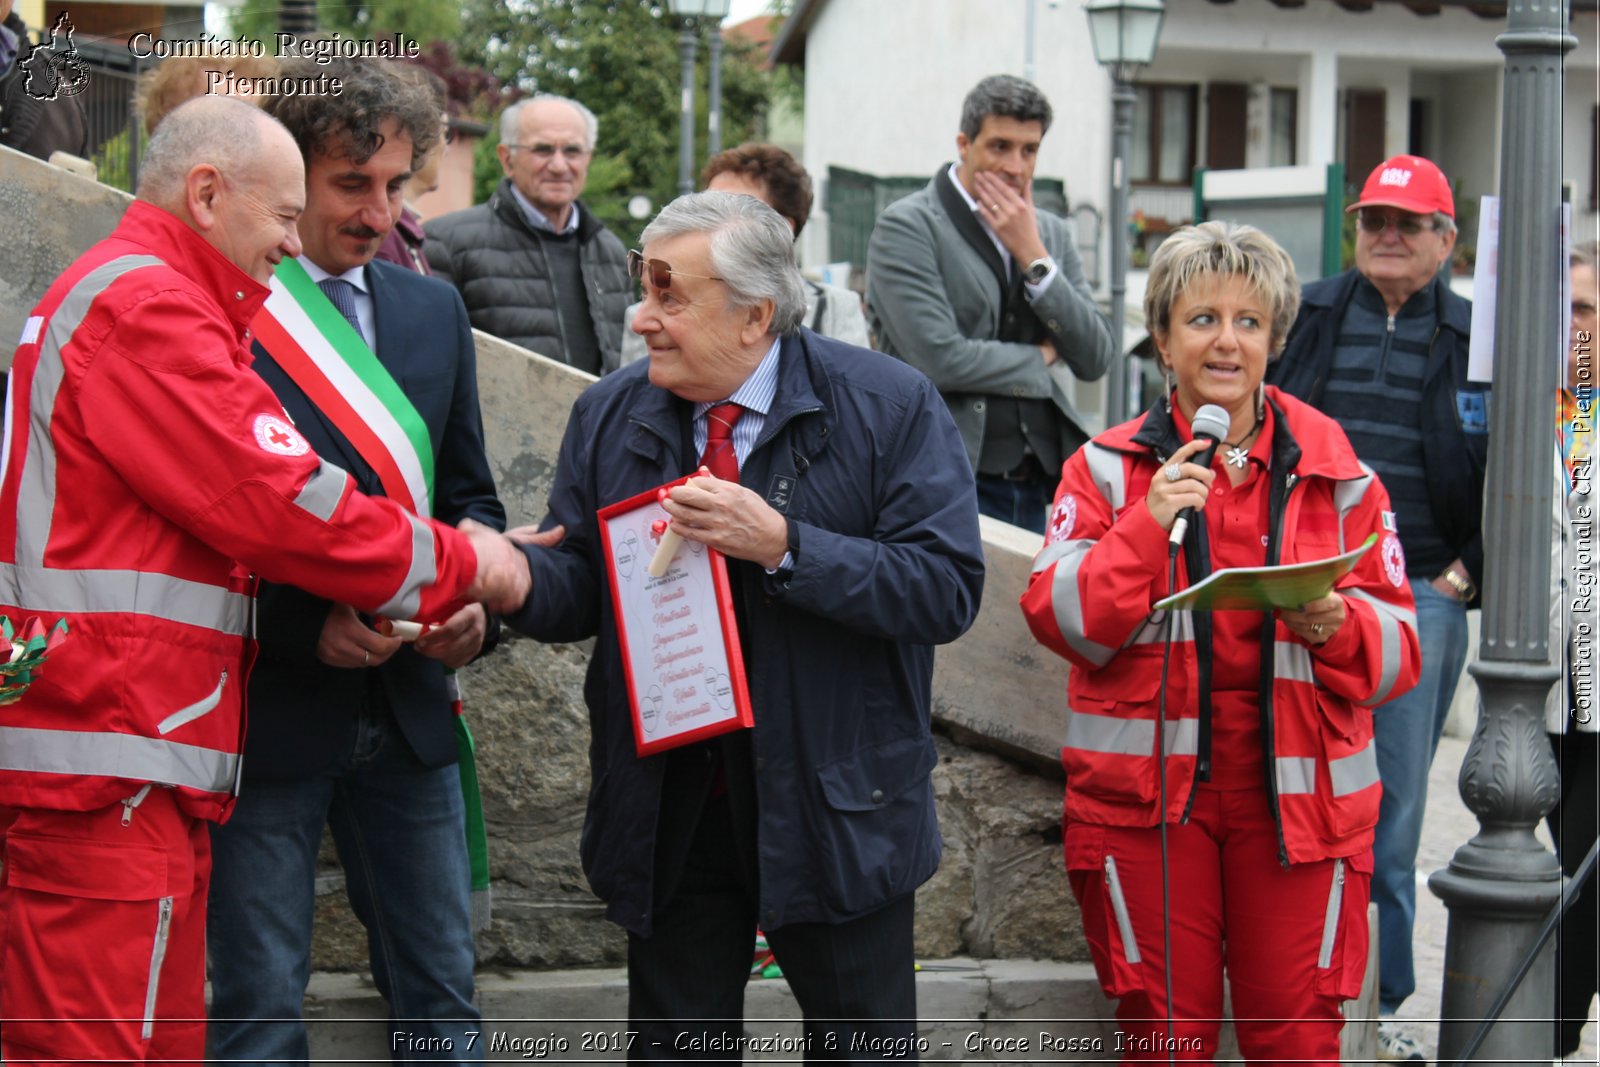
(1271, 782)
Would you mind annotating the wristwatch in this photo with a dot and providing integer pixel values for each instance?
(1465, 590)
(1038, 270)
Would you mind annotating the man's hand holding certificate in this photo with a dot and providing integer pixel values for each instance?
(727, 517)
(674, 610)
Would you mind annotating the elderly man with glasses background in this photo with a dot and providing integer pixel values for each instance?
(533, 264)
(1382, 348)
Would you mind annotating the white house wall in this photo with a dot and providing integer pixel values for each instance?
(1387, 31)
(885, 80)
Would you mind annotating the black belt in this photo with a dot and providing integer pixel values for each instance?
(1029, 470)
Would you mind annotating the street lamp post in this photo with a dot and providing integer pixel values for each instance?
(714, 112)
(298, 17)
(1124, 34)
(1500, 885)
(691, 12)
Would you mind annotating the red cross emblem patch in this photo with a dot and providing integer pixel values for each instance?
(275, 435)
(1394, 560)
(1062, 519)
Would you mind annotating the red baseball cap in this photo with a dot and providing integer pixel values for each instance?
(1409, 183)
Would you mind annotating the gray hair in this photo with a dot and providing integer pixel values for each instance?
(221, 130)
(1443, 223)
(752, 250)
(1216, 250)
(508, 118)
(1008, 96)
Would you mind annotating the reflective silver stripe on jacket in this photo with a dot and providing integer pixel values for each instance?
(204, 706)
(1297, 775)
(1106, 468)
(1390, 619)
(142, 759)
(323, 491)
(1119, 909)
(1128, 737)
(423, 572)
(1346, 495)
(36, 488)
(1355, 772)
(29, 582)
(1330, 918)
(89, 592)
(1291, 662)
(1151, 631)
(1064, 599)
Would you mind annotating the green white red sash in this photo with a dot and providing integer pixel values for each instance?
(318, 348)
(333, 366)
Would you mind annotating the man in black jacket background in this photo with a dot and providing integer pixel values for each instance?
(534, 266)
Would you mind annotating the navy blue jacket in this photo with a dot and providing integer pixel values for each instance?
(1455, 412)
(302, 711)
(860, 451)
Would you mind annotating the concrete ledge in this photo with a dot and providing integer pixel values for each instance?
(1019, 1011)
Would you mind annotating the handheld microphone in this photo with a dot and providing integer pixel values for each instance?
(1211, 423)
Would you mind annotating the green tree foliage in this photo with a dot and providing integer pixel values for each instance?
(621, 59)
(420, 20)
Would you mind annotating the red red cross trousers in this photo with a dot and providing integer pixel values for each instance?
(719, 457)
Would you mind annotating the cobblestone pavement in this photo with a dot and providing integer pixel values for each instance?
(1446, 826)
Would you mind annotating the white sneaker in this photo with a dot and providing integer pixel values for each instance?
(1396, 1044)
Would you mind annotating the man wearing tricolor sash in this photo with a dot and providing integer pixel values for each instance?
(148, 482)
(352, 729)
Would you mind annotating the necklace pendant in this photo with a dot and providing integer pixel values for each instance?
(1238, 456)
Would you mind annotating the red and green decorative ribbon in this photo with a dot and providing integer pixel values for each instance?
(22, 653)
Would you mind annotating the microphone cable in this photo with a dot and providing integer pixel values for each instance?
(1161, 805)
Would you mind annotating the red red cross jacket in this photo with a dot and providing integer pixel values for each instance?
(1105, 563)
(146, 473)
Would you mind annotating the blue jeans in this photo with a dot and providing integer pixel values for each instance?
(1025, 503)
(1408, 730)
(399, 832)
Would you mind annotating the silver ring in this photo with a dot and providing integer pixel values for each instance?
(1317, 628)
(366, 659)
(1173, 473)
(994, 207)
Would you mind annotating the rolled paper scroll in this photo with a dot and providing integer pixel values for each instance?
(401, 628)
(670, 539)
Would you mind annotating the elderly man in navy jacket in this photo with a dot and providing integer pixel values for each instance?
(851, 535)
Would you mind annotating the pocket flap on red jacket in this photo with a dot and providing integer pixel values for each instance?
(97, 870)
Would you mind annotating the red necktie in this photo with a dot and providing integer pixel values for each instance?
(719, 456)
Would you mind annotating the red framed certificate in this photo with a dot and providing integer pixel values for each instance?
(680, 644)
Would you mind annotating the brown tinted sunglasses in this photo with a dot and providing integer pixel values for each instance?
(658, 271)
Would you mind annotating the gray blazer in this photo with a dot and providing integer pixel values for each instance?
(935, 302)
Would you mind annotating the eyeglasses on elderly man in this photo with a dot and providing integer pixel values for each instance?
(1407, 224)
(660, 272)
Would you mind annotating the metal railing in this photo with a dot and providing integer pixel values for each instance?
(116, 140)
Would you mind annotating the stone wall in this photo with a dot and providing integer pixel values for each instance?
(1000, 892)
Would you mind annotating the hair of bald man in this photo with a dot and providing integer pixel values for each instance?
(219, 130)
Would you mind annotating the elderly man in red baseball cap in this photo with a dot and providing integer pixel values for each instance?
(1382, 348)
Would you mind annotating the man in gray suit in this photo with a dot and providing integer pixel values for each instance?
(968, 283)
